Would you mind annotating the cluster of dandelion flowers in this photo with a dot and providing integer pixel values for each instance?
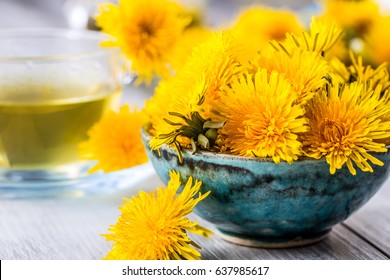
(262, 119)
(154, 226)
(345, 125)
(115, 142)
(145, 31)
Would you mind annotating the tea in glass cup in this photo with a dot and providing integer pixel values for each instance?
(54, 85)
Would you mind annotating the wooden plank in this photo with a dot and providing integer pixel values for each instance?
(71, 228)
(372, 221)
(61, 228)
(341, 244)
(53, 230)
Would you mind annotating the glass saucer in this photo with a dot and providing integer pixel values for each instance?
(37, 184)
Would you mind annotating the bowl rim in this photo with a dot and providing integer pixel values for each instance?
(206, 154)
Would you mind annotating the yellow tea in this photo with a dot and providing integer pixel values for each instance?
(42, 125)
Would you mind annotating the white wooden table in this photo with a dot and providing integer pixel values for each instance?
(70, 228)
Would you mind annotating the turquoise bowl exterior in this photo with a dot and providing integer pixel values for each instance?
(256, 202)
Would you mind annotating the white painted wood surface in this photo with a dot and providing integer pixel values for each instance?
(70, 229)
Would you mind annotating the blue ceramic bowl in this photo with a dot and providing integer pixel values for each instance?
(256, 202)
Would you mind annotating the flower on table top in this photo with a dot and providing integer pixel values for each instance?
(261, 117)
(345, 123)
(115, 142)
(154, 226)
(305, 70)
(145, 31)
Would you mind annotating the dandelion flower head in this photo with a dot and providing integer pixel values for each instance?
(155, 226)
(257, 25)
(145, 31)
(195, 88)
(355, 16)
(167, 121)
(190, 38)
(218, 61)
(378, 40)
(344, 125)
(115, 141)
(261, 118)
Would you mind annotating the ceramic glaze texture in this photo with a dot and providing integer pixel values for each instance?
(257, 202)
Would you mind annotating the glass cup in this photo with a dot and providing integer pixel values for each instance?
(55, 84)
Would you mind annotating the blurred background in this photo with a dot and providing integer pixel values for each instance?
(366, 25)
(77, 13)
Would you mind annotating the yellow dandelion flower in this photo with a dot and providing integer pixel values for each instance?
(378, 40)
(218, 61)
(345, 125)
(154, 226)
(115, 141)
(357, 71)
(341, 50)
(305, 70)
(321, 37)
(174, 95)
(386, 103)
(191, 38)
(192, 92)
(367, 74)
(371, 78)
(257, 25)
(210, 67)
(386, 117)
(355, 16)
(168, 121)
(339, 71)
(261, 118)
(145, 31)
